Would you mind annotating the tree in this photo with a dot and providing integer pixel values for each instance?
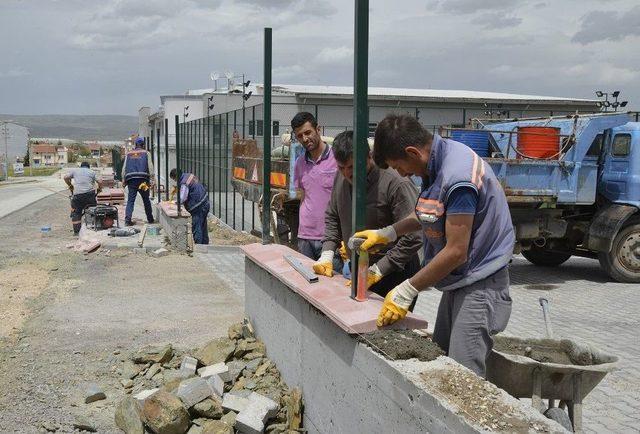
(25, 159)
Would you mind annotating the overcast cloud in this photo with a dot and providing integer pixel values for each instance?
(113, 56)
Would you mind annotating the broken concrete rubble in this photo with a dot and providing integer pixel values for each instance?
(210, 404)
(193, 390)
(128, 416)
(259, 409)
(164, 413)
(94, 393)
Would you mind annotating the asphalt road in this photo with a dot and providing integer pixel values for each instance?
(15, 196)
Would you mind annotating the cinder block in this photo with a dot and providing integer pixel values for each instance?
(259, 409)
(188, 366)
(235, 403)
(220, 369)
(160, 252)
(193, 390)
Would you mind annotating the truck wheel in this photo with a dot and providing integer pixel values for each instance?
(545, 258)
(622, 263)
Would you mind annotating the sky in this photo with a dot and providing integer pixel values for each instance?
(113, 56)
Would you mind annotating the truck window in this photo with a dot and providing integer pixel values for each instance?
(596, 147)
(621, 145)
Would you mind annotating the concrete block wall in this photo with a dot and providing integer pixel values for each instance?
(177, 230)
(346, 386)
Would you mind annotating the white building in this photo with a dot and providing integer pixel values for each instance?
(332, 106)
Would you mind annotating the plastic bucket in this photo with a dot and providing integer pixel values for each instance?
(477, 140)
(538, 142)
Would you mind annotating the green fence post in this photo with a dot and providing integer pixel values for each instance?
(178, 165)
(266, 165)
(360, 126)
(166, 158)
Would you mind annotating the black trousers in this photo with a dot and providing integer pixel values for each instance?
(78, 203)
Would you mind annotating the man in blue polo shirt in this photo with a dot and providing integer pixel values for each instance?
(469, 239)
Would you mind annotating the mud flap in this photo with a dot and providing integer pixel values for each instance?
(606, 224)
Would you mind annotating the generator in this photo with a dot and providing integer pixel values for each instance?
(101, 217)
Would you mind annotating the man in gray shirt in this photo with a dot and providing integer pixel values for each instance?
(83, 192)
(389, 197)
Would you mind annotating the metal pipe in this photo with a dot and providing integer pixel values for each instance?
(178, 166)
(166, 158)
(158, 162)
(360, 125)
(266, 149)
(226, 168)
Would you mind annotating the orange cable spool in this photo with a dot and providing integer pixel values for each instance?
(538, 142)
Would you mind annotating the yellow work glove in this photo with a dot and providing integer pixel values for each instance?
(372, 238)
(172, 193)
(396, 303)
(324, 265)
(143, 187)
(343, 251)
(373, 276)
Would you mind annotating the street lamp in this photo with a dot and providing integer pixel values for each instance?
(185, 113)
(606, 103)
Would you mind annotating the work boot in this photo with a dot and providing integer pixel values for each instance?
(128, 223)
(151, 221)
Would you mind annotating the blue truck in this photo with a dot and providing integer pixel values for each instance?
(582, 201)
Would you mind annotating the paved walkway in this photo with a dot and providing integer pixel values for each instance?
(17, 195)
(584, 305)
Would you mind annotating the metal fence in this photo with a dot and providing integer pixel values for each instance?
(206, 145)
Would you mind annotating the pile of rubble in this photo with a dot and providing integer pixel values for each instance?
(227, 386)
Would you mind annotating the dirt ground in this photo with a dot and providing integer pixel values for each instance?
(68, 319)
(222, 236)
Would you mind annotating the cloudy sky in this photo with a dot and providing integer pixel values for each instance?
(112, 56)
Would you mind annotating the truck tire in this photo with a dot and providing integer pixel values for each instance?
(544, 257)
(622, 263)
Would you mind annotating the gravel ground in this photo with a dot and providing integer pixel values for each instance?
(71, 318)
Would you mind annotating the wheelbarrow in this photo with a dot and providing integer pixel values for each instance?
(567, 377)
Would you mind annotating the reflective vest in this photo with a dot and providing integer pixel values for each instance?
(137, 166)
(197, 193)
(453, 164)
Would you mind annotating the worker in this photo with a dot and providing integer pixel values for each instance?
(469, 239)
(137, 174)
(195, 198)
(313, 176)
(83, 192)
(390, 197)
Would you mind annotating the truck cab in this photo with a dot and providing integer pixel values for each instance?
(619, 171)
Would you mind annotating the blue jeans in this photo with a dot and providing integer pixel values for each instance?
(133, 191)
(199, 224)
(313, 248)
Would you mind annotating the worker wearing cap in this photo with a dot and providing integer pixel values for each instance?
(468, 234)
(137, 174)
(195, 198)
(390, 197)
(83, 192)
(313, 176)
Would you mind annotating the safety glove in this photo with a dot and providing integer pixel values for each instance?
(375, 237)
(324, 265)
(396, 303)
(343, 252)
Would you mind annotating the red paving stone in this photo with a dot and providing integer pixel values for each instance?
(171, 209)
(330, 295)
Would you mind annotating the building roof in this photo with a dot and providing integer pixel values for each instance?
(94, 146)
(43, 149)
(438, 95)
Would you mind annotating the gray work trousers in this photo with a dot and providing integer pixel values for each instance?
(469, 316)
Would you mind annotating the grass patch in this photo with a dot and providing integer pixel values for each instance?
(36, 171)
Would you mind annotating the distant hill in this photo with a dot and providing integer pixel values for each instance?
(78, 127)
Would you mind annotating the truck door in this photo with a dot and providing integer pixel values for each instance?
(616, 173)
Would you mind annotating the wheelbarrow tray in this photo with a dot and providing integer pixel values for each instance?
(515, 373)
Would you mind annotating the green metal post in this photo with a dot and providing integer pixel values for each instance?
(178, 165)
(158, 162)
(360, 126)
(266, 165)
(166, 157)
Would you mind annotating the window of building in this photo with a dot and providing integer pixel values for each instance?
(621, 145)
(372, 128)
(252, 128)
(260, 131)
(276, 128)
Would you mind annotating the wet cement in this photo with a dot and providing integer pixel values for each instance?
(402, 345)
(543, 350)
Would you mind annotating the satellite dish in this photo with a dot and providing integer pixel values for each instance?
(214, 76)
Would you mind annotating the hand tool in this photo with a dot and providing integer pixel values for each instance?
(300, 268)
